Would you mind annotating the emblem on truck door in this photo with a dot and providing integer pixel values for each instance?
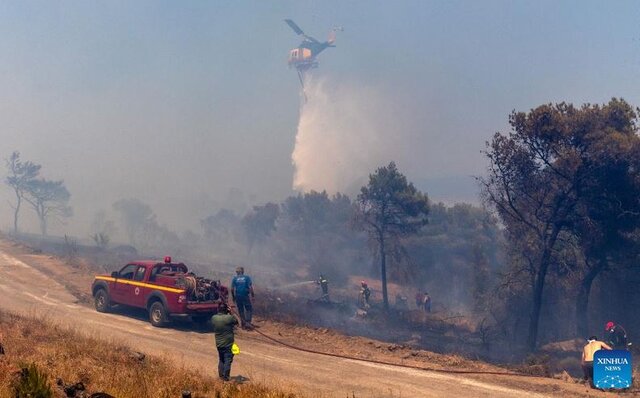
(137, 291)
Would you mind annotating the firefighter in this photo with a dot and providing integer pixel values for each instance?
(426, 302)
(223, 326)
(364, 295)
(242, 293)
(616, 336)
(401, 302)
(324, 285)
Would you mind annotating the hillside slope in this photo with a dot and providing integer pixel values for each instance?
(30, 283)
(103, 366)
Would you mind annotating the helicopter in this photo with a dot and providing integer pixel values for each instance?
(304, 56)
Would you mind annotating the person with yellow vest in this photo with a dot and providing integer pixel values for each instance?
(223, 328)
(589, 349)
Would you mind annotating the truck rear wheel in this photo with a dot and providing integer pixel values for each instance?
(157, 314)
(101, 301)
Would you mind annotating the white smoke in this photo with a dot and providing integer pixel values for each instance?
(340, 137)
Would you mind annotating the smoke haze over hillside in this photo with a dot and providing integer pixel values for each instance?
(190, 107)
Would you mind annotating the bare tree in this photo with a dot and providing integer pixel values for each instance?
(102, 229)
(20, 174)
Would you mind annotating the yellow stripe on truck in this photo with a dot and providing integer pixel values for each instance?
(141, 284)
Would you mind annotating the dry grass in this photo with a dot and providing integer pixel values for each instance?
(104, 367)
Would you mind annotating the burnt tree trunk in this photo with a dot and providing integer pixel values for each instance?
(383, 270)
(538, 289)
(16, 212)
(582, 299)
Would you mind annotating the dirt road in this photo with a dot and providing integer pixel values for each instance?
(25, 289)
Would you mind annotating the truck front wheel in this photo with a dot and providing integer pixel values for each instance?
(101, 301)
(157, 314)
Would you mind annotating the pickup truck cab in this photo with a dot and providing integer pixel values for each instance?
(165, 289)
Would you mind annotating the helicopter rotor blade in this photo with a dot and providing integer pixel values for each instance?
(311, 39)
(295, 27)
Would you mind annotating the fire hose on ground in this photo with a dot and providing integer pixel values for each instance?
(379, 362)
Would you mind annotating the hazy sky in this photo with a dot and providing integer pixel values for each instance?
(177, 102)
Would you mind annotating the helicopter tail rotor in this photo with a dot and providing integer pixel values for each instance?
(332, 37)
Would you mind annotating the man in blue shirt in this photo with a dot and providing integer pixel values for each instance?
(241, 289)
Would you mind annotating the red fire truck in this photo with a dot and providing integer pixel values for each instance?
(167, 290)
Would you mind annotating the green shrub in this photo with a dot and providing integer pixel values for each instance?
(32, 383)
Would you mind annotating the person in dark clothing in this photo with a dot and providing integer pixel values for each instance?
(364, 296)
(426, 302)
(616, 336)
(420, 300)
(242, 293)
(324, 286)
(223, 325)
(401, 302)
